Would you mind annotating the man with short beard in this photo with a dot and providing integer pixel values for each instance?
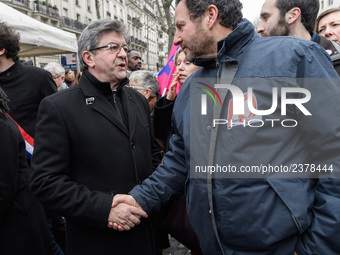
(294, 18)
(232, 210)
(134, 60)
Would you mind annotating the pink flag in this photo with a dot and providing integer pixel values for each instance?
(165, 76)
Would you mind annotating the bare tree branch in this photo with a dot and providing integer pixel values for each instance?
(168, 25)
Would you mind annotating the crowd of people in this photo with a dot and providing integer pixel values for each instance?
(100, 163)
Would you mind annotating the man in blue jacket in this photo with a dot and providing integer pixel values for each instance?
(259, 161)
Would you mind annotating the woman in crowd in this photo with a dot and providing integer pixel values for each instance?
(164, 106)
(69, 77)
(328, 24)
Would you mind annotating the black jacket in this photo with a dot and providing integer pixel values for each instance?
(26, 86)
(23, 228)
(162, 119)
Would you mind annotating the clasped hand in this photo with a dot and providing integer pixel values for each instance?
(125, 213)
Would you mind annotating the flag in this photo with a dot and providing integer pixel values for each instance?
(165, 76)
(29, 141)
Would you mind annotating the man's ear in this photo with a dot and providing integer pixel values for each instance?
(293, 15)
(211, 15)
(147, 93)
(2, 51)
(88, 58)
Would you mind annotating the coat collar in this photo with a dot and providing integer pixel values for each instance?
(98, 95)
(236, 42)
(12, 71)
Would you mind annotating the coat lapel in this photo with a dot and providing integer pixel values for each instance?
(131, 108)
(97, 101)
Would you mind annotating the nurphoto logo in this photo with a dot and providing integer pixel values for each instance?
(242, 108)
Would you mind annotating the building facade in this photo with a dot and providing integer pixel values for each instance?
(140, 16)
(327, 4)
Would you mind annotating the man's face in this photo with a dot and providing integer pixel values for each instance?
(134, 61)
(272, 24)
(58, 79)
(109, 66)
(193, 36)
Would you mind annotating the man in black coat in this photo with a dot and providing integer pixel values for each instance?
(94, 141)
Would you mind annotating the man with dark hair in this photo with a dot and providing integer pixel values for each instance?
(294, 18)
(25, 85)
(134, 60)
(235, 151)
(93, 141)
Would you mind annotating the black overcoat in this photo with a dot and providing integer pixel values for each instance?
(84, 154)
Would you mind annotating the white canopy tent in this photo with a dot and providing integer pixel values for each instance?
(37, 38)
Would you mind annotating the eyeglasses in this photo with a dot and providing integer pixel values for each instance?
(137, 87)
(113, 47)
(56, 77)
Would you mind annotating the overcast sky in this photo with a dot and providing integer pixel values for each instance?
(251, 9)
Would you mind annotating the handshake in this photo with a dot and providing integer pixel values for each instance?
(125, 213)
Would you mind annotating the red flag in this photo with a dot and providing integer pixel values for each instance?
(165, 76)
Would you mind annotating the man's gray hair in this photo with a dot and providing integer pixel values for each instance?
(55, 68)
(229, 11)
(92, 35)
(147, 80)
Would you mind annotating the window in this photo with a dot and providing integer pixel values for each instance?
(330, 2)
(89, 5)
(65, 12)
